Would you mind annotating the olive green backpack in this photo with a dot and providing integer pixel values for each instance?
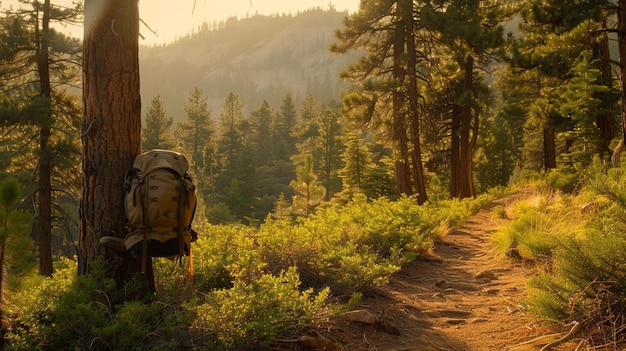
(160, 203)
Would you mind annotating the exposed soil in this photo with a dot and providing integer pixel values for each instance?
(460, 297)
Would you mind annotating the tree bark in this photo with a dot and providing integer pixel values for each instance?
(605, 120)
(462, 142)
(621, 42)
(455, 152)
(111, 131)
(44, 222)
(398, 124)
(549, 148)
(413, 94)
(466, 188)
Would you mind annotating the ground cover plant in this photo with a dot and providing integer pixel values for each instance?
(242, 288)
(577, 240)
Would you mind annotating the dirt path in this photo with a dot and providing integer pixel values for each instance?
(462, 297)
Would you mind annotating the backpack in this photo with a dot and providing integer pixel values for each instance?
(160, 203)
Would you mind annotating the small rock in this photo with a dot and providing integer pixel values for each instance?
(453, 312)
(456, 321)
(488, 274)
(361, 316)
(491, 291)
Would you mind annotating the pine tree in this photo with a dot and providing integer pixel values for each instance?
(284, 142)
(235, 176)
(357, 163)
(15, 244)
(331, 148)
(111, 65)
(582, 105)
(197, 130)
(553, 34)
(36, 62)
(387, 94)
(309, 194)
(318, 134)
(260, 137)
(156, 133)
(470, 32)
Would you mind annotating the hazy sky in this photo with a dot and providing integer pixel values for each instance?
(176, 18)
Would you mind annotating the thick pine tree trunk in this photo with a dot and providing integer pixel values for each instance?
(621, 42)
(462, 140)
(44, 222)
(466, 181)
(455, 152)
(549, 148)
(412, 88)
(605, 120)
(111, 130)
(398, 124)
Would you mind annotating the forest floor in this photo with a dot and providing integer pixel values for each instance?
(460, 297)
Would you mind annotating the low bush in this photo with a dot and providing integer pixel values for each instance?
(581, 241)
(241, 287)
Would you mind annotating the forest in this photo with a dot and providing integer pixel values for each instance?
(320, 169)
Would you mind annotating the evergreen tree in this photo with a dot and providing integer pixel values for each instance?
(331, 148)
(234, 178)
(307, 132)
(156, 134)
(197, 130)
(495, 159)
(470, 31)
(284, 142)
(309, 194)
(581, 106)
(553, 34)
(268, 181)
(517, 90)
(387, 94)
(15, 244)
(357, 163)
(34, 59)
(260, 137)
(110, 65)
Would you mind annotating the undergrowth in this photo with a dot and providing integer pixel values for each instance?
(578, 241)
(248, 286)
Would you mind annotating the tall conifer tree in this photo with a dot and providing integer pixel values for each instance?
(157, 129)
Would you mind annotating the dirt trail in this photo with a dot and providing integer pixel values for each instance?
(462, 297)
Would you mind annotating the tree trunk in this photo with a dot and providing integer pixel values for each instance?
(416, 154)
(466, 184)
(462, 140)
(111, 131)
(549, 148)
(398, 124)
(605, 120)
(455, 152)
(621, 42)
(44, 223)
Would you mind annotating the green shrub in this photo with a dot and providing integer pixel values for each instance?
(61, 313)
(88, 312)
(530, 236)
(585, 280)
(565, 180)
(248, 285)
(253, 313)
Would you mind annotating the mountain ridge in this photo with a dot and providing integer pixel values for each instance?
(258, 58)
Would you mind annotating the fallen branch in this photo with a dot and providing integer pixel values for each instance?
(567, 337)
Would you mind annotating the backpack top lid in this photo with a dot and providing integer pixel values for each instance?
(159, 158)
